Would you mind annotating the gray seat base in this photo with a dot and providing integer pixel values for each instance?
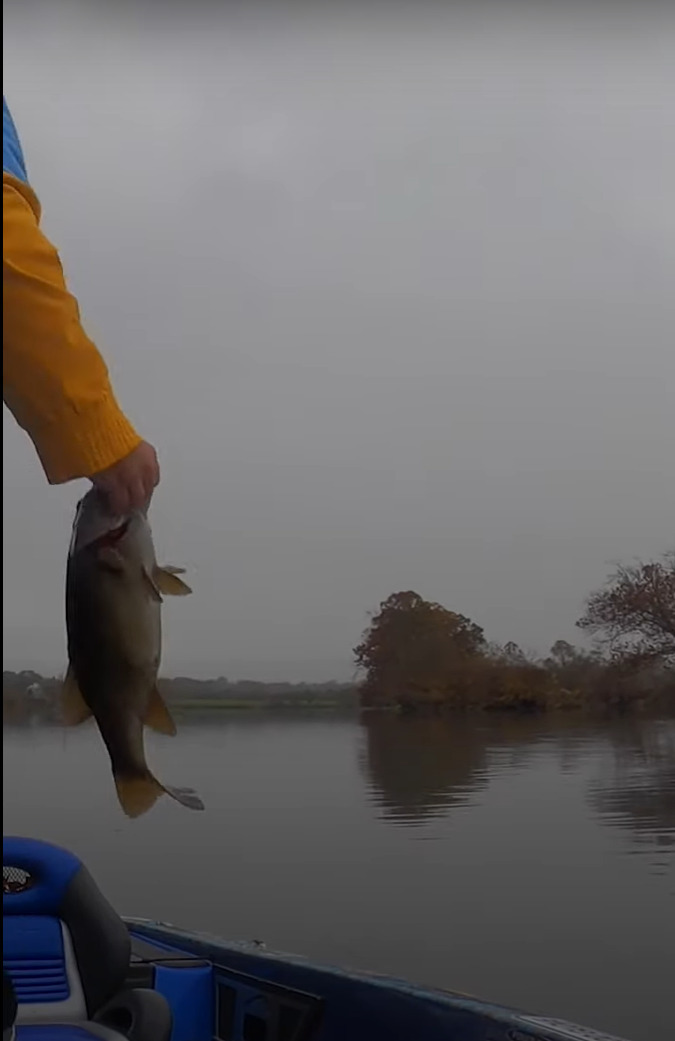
(84, 1031)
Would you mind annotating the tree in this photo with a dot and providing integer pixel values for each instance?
(412, 648)
(634, 614)
(562, 655)
(565, 660)
(511, 654)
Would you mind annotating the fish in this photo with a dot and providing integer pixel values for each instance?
(114, 594)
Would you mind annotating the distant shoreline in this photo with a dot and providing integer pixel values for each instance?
(27, 696)
(253, 704)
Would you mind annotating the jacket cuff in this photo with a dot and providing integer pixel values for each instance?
(101, 437)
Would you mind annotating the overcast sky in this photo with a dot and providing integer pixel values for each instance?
(394, 296)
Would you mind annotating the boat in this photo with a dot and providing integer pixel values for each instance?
(74, 970)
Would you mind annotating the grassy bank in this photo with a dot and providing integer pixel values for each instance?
(263, 704)
(29, 696)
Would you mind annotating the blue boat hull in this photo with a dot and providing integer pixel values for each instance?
(255, 992)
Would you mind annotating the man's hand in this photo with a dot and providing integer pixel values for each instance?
(129, 484)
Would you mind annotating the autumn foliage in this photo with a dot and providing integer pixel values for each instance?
(417, 654)
(634, 615)
(414, 648)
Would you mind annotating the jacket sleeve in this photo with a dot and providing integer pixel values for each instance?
(54, 380)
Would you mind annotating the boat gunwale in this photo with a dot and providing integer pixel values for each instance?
(553, 1028)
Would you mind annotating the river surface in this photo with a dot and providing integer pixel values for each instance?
(526, 862)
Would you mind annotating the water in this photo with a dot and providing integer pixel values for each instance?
(530, 863)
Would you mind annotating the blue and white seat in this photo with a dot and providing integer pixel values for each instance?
(67, 953)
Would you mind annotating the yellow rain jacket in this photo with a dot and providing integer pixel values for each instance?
(54, 380)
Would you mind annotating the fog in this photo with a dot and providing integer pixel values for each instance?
(391, 291)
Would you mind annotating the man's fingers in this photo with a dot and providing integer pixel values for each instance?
(129, 484)
(151, 479)
(151, 473)
(127, 493)
(138, 493)
(118, 498)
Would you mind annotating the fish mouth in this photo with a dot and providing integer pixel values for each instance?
(112, 537)
(98, 530)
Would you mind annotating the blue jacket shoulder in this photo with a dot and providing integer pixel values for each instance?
(12, 155)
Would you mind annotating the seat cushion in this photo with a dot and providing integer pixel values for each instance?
(37, 955)
(42, 886)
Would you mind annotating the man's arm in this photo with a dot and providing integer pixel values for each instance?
(54, 380)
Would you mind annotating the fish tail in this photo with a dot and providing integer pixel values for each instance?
(138, 793)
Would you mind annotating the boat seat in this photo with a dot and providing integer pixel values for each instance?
(67, 953)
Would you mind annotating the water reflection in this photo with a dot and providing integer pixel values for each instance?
(502, 838)
(635, 790)
(418, 769)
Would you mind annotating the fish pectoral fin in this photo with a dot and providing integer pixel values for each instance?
(185, 796)
(74, 709)
(110, 559)
(173, 570)
(152, 586)
(158, 716)
(168, 582)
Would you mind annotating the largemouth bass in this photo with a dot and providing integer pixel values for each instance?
(114, 590)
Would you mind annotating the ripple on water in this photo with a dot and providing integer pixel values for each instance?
(418, 810)
(635, 791)
(418, 771)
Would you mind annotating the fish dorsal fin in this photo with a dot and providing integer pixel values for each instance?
(168, 582)
(74, 708)
(158, 716)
